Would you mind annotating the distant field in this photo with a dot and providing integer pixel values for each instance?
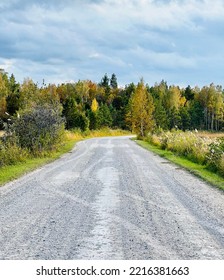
(211, 135)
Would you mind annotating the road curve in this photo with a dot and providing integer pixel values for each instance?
(111, 199)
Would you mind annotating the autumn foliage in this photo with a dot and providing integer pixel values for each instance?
(37, 114)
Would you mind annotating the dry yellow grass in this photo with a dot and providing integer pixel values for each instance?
(78, 135)
(1, 133)
(211, 135)
(73, 136)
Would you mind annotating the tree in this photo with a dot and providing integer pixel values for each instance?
(105, 85)
(105, 81)
(3, 95)
(69, 111)
(93, 115)
(196, 115)
(174, 118)
(211, 99)
(219, 111)
(13, 97)
(81, 121)
(94, 106)
(173, 98)
(73, 116)
(104, 116)
(160, 115)
(29, 94)
(82, 90)
(113, 81)
(188, 94)
(141, 110)
(185, 118)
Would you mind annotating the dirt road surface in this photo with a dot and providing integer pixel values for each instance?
(111, 199)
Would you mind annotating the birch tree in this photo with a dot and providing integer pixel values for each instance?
(142, 109)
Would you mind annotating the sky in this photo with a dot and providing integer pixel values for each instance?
(179, 41)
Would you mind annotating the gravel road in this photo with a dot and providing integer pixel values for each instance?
(111, 199)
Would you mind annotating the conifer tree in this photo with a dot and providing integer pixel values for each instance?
(113, 81)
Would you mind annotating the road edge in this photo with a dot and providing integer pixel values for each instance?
(214, 180)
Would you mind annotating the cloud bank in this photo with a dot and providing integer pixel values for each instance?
(61, 40)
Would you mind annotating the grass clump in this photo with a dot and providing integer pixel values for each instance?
(215, 157)
(186, 144)
(207, 151)
(11, 153)
(197, 169)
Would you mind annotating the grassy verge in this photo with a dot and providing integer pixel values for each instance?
(197, 169)
(11, 172)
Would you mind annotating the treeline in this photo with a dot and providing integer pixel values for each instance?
(88, 105)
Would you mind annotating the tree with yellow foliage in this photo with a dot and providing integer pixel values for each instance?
(94, 106)
(3, 94)
(93, 115)
(141, 110)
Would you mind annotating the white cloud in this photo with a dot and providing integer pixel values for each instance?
(65, 39)
(6, 64)
(157, 14)
(94, 55)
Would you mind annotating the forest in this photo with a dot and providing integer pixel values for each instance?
(34, 118)
(141, 108)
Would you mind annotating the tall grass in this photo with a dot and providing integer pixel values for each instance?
(11, 153)
(210, 135)
(78, 134)
(15, 161)
(195, 168)
(194, 146)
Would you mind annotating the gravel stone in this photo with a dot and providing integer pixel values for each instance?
(111, 199)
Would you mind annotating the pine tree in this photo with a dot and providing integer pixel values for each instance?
(160, 116)
(105, 85)
(185, 118)
(13, 96)
(113, 81)
(104, 115)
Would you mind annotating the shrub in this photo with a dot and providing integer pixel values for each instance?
(164, 138)
(186, 144)
(39, 129)
(221, 165)
(199, 151)
(154, 139)
(11, 152)
(215, 156)
(204, 150)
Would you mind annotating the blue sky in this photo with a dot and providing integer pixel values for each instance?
(179, 41)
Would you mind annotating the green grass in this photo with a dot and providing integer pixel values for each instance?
(197, 169)
(11, 172)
